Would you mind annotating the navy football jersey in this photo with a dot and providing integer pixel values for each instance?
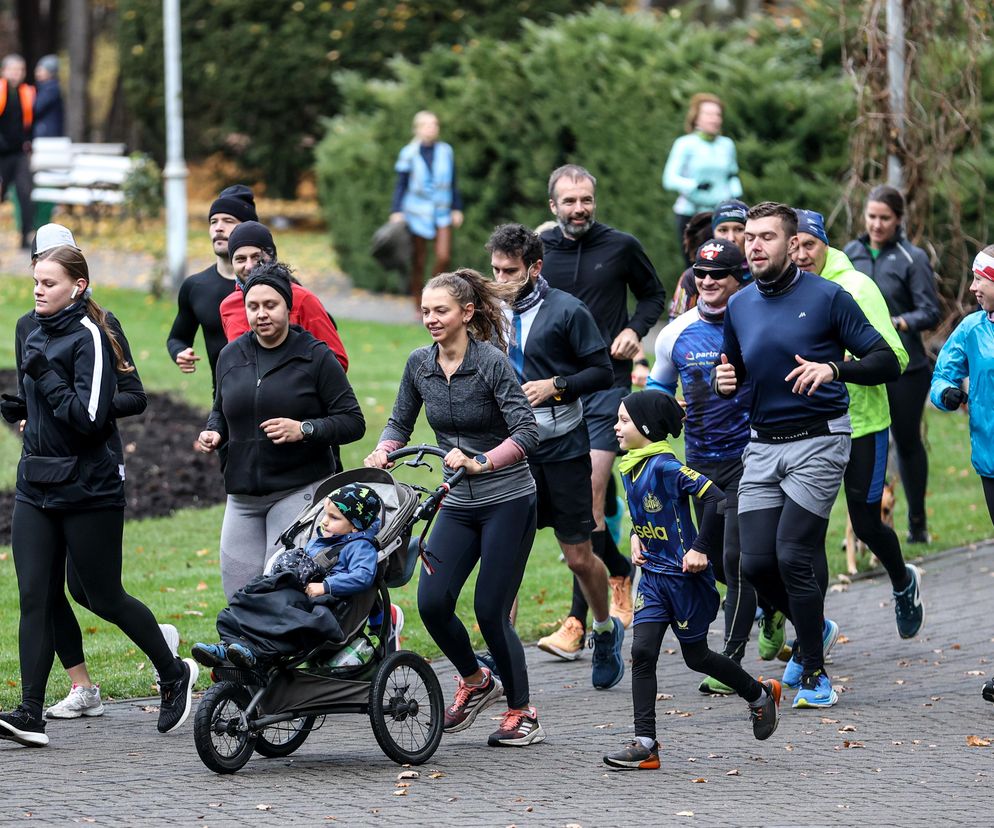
(658, 493)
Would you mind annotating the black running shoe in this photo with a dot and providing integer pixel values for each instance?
(634, 756)
(210, 655)
(21, 727)
(766, 712)
(176, 697)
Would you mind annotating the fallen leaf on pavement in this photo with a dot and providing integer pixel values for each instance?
(700, 780)
(263, 807)
(826, 720)
(663, 696)
(849, 744)
(847, 729)
(977, 741)
(436, 775)
(732, 772)
(408, 774)
(684, 813)
(401, 792)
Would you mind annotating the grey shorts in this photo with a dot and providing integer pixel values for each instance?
(600, 410)
(809, 472)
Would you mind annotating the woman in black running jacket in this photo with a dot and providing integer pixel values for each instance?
(70, 492)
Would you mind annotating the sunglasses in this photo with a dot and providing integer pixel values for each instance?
(717, 275)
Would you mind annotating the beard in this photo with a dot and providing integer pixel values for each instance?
(770, 271)
(575, 230)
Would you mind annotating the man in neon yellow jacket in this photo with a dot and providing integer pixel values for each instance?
(870, 415)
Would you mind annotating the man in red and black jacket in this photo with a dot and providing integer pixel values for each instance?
(17, 101)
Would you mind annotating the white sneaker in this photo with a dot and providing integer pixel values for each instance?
(171, 634)
(81, 701)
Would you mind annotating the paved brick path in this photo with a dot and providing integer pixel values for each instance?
(905, 713)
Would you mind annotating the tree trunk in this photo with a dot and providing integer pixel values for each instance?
(80, 60)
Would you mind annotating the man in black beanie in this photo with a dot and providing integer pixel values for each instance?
(201, 294)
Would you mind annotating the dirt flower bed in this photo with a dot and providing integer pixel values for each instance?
(164, 473)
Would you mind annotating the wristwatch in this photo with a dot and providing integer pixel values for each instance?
(307, 428)
(481, 459)
(559, 383)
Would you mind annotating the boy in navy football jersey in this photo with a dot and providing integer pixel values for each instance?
(677, 584)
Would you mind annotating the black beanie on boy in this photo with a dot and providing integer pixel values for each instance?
(236, 201)
(656, 414)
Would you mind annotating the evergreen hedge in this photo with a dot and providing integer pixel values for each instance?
(258, 74)
(602, 89)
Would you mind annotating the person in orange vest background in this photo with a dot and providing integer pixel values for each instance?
(17, 102)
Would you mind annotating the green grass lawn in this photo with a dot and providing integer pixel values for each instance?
(172, 563)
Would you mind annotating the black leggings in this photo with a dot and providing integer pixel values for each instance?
(907, 397)
(499, 537)
(988, 483)
(740, 596)
(68, 638)
(647, 639)
(864, 481)
(783, 556)
(41, 540)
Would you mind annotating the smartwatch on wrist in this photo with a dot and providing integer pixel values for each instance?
(307, 428)
(559, 383)
(481, 459)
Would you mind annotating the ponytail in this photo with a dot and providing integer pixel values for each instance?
(99, 315)
(468, 286)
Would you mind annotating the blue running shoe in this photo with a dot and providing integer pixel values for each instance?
(241, 656)
(608, 665)
(613, 522)
(816, 691)
(908, 605)
(829, 635)
(794, 670)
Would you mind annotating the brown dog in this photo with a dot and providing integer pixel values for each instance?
(854, 546)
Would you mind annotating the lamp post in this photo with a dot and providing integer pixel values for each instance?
(175, 172)
(895, 77)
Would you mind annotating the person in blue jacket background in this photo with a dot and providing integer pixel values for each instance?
(969, 354)
(426, 198)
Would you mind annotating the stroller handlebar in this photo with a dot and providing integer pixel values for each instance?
(418, 453)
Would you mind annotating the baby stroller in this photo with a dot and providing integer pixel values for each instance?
(272, 710)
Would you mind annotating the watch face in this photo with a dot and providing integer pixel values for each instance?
(307, 427)
(559, 383)
(481, 459)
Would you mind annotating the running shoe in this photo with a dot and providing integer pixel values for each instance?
(793, 670)
(918, 531)
(765, 713)
(566, 642)
(908, 607)
(81, 701)
(396, 625)
(240, 655)
(634, 756)
(772, 635)
(829, 635)
(470, 702)
(608, 666)
(621, 599)
(176, 697)
(816, 691)
(210, 655)
(486, 659)
(988, 690)
(712, 687)
(517, 729)
(21, 727)
(171, 635)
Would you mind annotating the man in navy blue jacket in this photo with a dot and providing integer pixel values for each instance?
(789, 333)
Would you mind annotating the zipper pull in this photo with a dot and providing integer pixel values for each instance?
(258, 382)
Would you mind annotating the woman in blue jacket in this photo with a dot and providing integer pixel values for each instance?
(426, 198)
(701, 166)
(969, 354)
(905, 278)
(70, 492)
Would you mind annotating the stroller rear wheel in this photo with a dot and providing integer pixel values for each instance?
(406, 708)
(220, 732)
(284, 738)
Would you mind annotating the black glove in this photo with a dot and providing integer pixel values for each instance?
(35, 364)
(13, 409)
(953, 398)
(704, 186)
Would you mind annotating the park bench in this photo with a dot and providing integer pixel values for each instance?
(84, 175)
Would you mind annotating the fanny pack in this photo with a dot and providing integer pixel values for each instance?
(557, 420)
(48, 471)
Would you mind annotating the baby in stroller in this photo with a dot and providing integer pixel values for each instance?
(302, 600)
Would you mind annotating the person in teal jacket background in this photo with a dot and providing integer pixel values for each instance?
(702, 166)
(969, 354)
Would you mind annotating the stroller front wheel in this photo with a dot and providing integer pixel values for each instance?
(406, 708)
(220, 732)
